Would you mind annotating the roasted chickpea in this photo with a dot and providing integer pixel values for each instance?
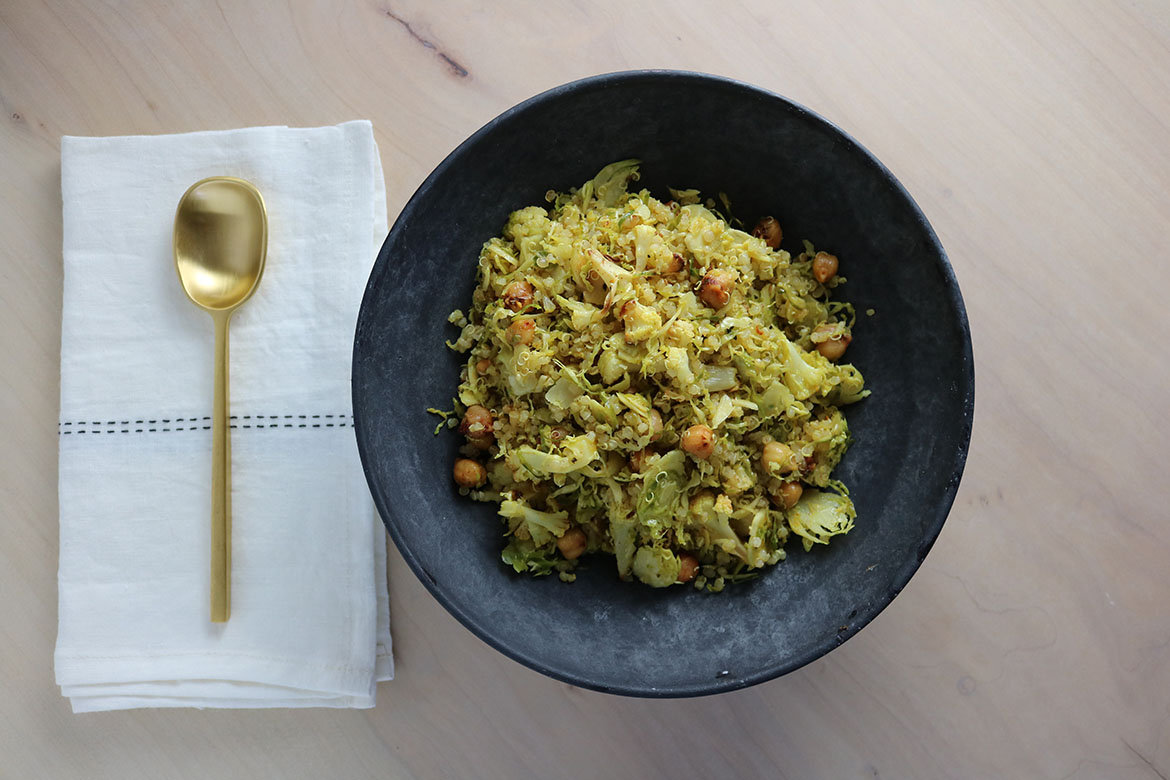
(517, 295)
(477, 422)
(787, 495)
(482, 366)
(673, 265)
(833, 349)
(469, 473)
(572, 543)
(639, 459)
(688, 567)
(698, 440)
(520, 332)
(777, 458)
(769, 230)
(715, 289)
(824, 267)
(655, 425)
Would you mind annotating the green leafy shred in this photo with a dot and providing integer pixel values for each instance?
(525, 557)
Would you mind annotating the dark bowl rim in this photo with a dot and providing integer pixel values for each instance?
(941, 508)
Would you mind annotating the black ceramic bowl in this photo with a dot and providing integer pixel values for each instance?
(771, 157)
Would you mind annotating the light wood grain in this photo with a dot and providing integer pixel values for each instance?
(1035, 640)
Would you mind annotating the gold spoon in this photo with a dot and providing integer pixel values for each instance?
(221, 238)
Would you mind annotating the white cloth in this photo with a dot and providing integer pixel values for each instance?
(309, 622)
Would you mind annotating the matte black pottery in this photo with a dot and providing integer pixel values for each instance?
(771, 157)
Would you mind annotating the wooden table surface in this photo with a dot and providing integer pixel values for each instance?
(1035, 640)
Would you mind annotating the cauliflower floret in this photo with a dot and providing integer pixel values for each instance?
(680, 334)
(678, 367)
(736, 480)
(656, 566)
(804, 372)
(528, 523)
(649, 251)
(641, 322)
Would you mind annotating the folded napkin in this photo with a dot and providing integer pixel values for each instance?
(309, 623)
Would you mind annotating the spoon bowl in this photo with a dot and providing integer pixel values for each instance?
(220, 243)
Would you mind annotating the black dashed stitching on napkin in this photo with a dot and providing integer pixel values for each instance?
(176, 429)
(291, 425)
(116, 426)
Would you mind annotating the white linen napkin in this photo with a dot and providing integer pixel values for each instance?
(310, 622)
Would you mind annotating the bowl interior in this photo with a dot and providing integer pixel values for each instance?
(770, 157)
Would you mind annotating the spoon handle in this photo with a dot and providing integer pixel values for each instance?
(221, 479)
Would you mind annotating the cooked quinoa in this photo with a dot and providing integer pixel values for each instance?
(646, 381)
